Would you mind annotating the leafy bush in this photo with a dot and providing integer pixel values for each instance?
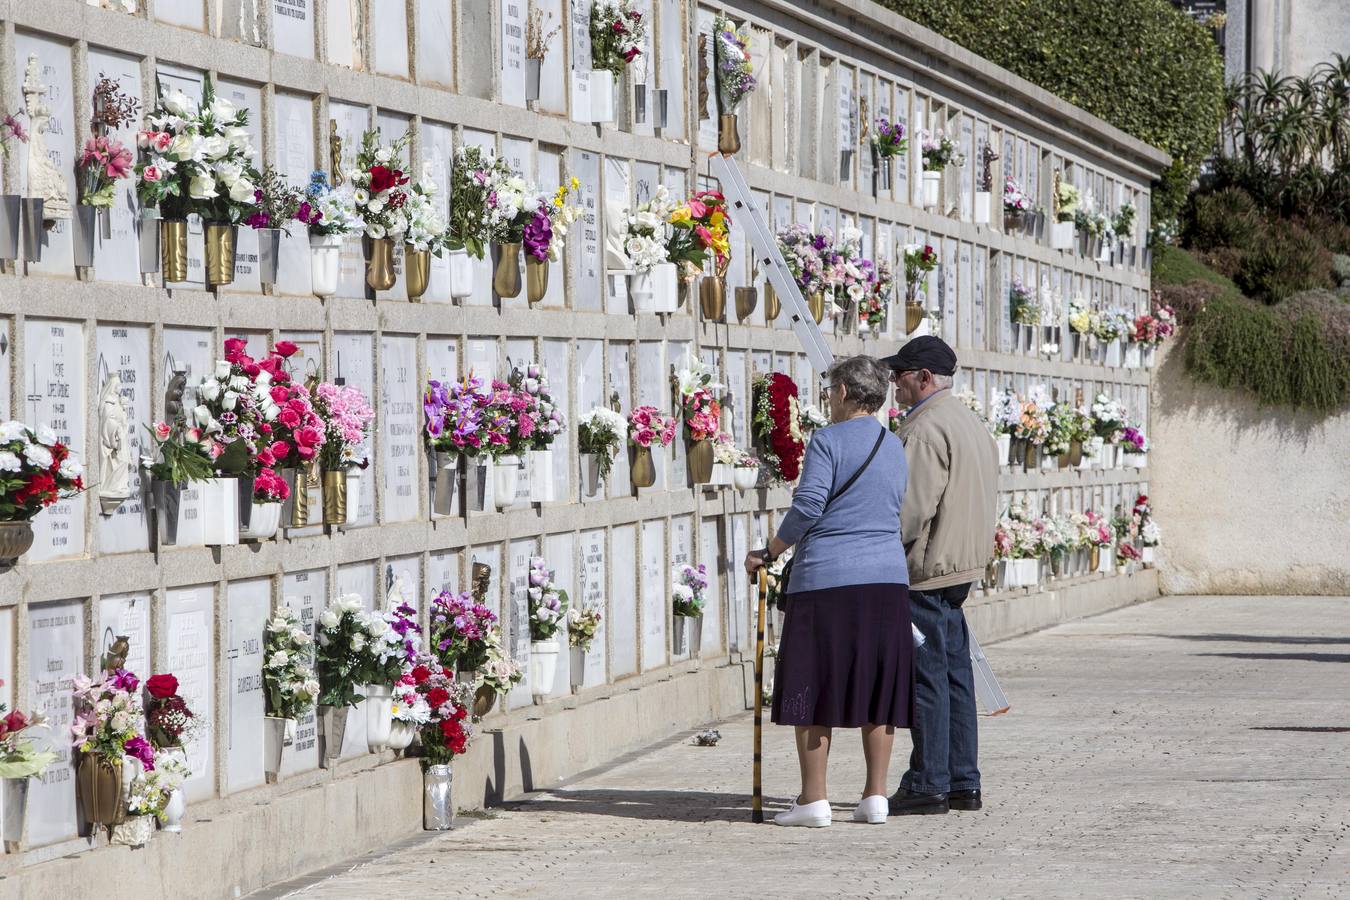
(1227, 218)
(1284, 260)
(1175, 266)
(1144, 66)
(1340, 269)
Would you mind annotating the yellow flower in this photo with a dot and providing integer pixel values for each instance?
(576, 183)
(680, 215)
(716, 219)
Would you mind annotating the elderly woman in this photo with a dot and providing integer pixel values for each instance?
(845, 659)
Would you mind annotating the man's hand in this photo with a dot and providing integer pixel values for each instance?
(753, 563)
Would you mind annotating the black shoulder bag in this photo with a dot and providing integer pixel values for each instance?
(781, 599)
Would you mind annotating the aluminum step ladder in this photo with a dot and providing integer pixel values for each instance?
(747, 214)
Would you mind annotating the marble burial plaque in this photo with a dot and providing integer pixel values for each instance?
(306, 593)
(389, 21)
(623, 600)
(358, 579)
(516, 625)
(656, 577)
(58, 140)
(437, 152)
(55, 657)
(443, 573)
(401, 412)
(620, 386)
(124, 350)
(249, 605)
(293, 27)
(126, 615)
(115, 258)
(710, 556)
(560, 552)
(585, 235)
(54, 355)
(511, 51)
(354, 363)
(593, 595)
(191, 657)
(435, 33)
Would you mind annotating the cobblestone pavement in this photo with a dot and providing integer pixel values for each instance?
(1189, 747)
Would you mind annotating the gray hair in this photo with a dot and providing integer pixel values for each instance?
(867, 380)
(942, 382)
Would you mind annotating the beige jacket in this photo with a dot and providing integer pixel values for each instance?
(948, 515)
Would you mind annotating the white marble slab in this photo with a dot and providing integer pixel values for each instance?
(306, 593)
(54, 395)
(190, 648)
(55, 657)
(125, 351)
(656, 578)
(249, 605)
(401, 427)
(623, 601)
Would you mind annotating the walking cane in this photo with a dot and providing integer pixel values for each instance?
(757, 797)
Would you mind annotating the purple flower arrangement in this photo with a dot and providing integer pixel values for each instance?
(888, 138)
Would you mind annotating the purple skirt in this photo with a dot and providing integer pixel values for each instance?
(846, 658)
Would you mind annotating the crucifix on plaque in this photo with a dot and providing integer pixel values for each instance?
(34, 398)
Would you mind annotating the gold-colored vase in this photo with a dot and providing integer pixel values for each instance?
(747, 298)
(913, 316)
(506, 277)
(728, 141)
(1075, 453)
(416, 270)
(712, 297)
(536, 279)
(1029, 458)
(99, 781)
(300, 496)
(701, 461)
(380, 263)
(815, 302)
(334, 497)
(173, 260)
(1094, 557)
(772, 305)
(483, 700)
(643, 469)
(220, 252)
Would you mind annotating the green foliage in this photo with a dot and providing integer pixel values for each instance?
(1283, 262)
(1175, 266)
(1227, 218)
(1141, 65)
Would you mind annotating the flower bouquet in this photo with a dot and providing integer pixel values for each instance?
(1016, 204)
(510, 421)
(329, 214)
(19, 761)
(618, 36)
(875, 302)
(290, 687)
(1005, 412)
(347, 419)
(888, 141)
(745, 472)
(547, 611)
(1151, 329)
(646, 426)
(582, 627)
(1032, 429)
(380, 191)
(600, 436)
(688, 596)
(700, 230)
(702, 414)
(426, 233)
(102, 164)
(197, 160)
(777, 593)
(919, 261)
(939, 152)
(1024, 310)
(544, 422)
(461, 631)
(106, 730)
(776, 423)
(543, 235)
(36, 470)
(352, 647)
(808, 257)
(445, 732)
(734, 76)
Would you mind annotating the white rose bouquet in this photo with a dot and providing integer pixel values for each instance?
(289, 685)
(197, 159)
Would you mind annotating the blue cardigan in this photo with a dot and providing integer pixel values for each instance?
(857, 541)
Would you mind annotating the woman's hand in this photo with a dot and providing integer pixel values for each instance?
(753, 563)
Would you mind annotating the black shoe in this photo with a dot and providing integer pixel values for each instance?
(908, 803)
(968, 801)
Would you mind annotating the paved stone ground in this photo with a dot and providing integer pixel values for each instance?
(1189, 747)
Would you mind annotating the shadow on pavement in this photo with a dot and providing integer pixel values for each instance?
(1302, 657)
(667, 806)
(1255, 638)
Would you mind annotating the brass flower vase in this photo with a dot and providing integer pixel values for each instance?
(1075, 453)
(536, 279)
(913, 316)
(1029, 459)
(506, 276)
(728, 140)
(220, 241)
(1094, 558)
(334, 497)
(173, 249)
(712, 297)
(772, 305)
(643, 469)
(484, 699)
(815, 302)
(416, 270)
(747, 298)
(99, 782)
(380, 263)
(700, 461)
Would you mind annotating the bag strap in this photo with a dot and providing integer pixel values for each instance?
(867, 462)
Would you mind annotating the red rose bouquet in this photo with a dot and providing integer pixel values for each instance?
(776, 422)
(449, 729)
(36, 470)
(168, 720)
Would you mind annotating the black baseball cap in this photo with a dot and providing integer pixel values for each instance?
(924, 352)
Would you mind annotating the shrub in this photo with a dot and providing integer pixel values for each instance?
(1288, 259)
(1297, 354)
(1144, 66)
(1340, 269)
(1227, 218)
(1175, 266)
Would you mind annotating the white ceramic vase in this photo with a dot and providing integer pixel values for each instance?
(932, 189)
(542, 482)
(379, 715)
(505, 479)
(325, 263)
(745, 477)
(543, 667)
(263, 522)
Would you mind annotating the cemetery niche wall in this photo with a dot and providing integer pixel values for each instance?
(1041, 316)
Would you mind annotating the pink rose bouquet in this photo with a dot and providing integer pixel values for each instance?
(646, 425)
(347, 418)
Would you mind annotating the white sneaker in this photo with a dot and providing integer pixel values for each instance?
(812, 815)
(873, 810)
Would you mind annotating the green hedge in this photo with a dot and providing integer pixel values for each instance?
(1141, 65)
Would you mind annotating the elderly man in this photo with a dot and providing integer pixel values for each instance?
(947, 525)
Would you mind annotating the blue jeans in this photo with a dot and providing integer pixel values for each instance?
(945, 732)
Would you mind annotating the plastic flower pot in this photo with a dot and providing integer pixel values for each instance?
(264, 520)
(278, 734)
(401, 735)
(379, 715)
(984, 204)
(505, 479)
(220, 511)
(325, 263)
(85, 234)
(1004, 442)
(461, 273)
(932, 189)
(591, 482)
(543, 668)
(576, 670)
(744, 478)
(438, 805)
(10, 229)
(445, 495)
